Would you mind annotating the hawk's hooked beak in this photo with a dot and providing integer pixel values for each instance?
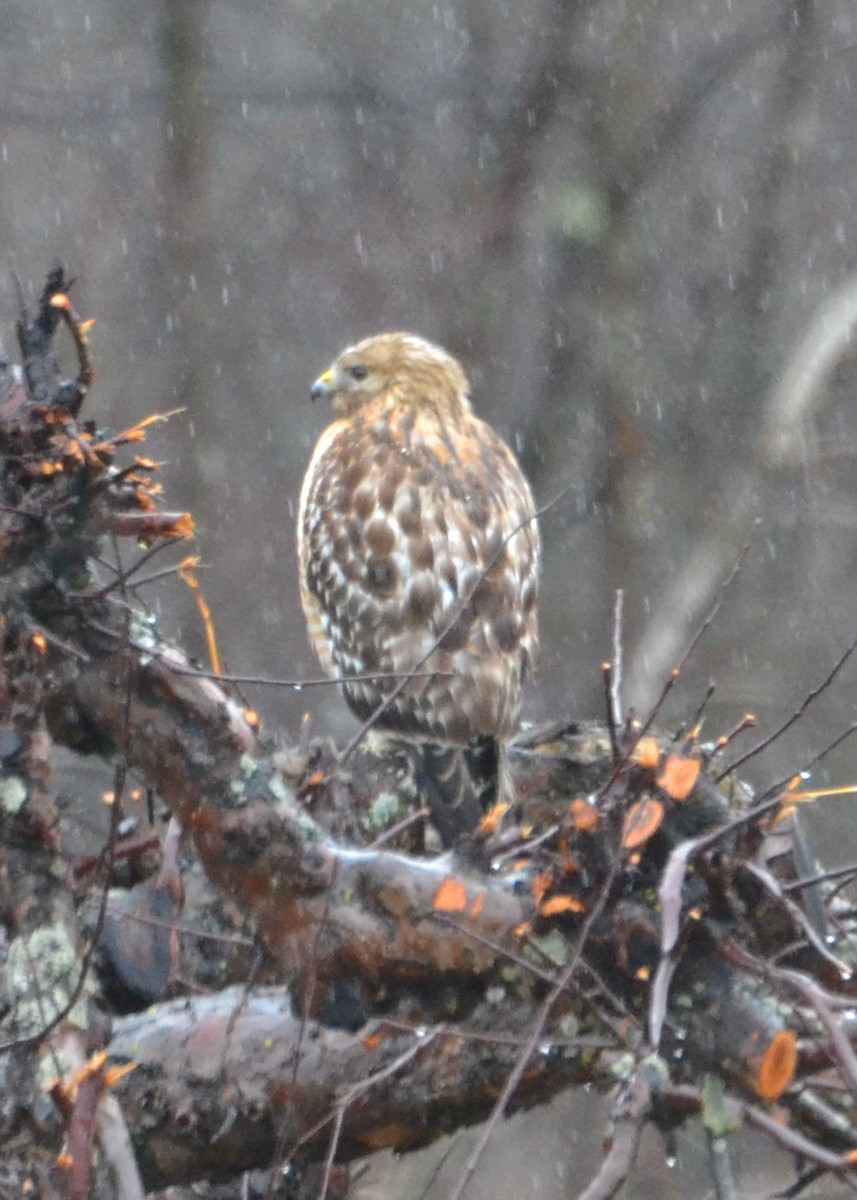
(323, 386)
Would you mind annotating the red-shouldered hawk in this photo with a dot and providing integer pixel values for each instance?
(419, 552)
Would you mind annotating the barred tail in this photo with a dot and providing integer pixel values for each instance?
(459, 783)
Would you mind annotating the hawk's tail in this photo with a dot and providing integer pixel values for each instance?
(460, 783)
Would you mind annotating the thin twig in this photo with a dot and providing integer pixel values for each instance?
(721, 1167)
(630, 1111)
(845, 873)
(618, 656)
(502, 1039)
(362, 1086)
(675, 673)
(526, 845)
(619, 1031)
(438, 1167)
(66, 647)
(203, 935)
(123, 578)
(306, 1008)
(516, 1074)
(795, 1142)
(695, 640)
(400, 827)
(798, 916)
(794, 718)
(608, 679)
(748, 721)
(300, 685)
(813, 762)
(696, 719)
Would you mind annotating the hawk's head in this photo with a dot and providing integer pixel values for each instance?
(402, 364)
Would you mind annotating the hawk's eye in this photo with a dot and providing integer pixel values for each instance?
(358, 371)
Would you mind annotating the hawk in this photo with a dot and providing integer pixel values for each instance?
(419, 567)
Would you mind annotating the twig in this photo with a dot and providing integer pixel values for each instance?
(619, 1031)
(629, 1115)
(516, 1074)
(364, 1085)
(400, 827)
(115, 1142)
(846, 873)
(300, 684)
(748, 721)
(798, 916)
(695, 640)
(618, 655)
(123, 578)
(822, 754)
(203, 935)
(721, 1167)
(796, 1143)
(503, 1039)
(816, 998)
(796, 715)
(526, 845)
(608, 679)
(66, 647)
(675, 673)
(75, 392)
(438, 1167)
(696, 719)
(306, 1008)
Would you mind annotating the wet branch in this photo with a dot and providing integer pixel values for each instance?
(632, 888)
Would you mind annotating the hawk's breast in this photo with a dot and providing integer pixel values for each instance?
(419, 555)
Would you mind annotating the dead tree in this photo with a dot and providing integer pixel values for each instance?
(641, 922)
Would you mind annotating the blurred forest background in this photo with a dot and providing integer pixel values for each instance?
(633, 222)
